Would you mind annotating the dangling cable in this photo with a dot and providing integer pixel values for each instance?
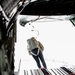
(34, 30)
(37, 33)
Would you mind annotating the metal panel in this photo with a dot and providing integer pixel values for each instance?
(8, 5)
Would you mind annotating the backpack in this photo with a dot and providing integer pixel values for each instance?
(41, 46)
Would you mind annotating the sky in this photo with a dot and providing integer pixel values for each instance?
(58, 38)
